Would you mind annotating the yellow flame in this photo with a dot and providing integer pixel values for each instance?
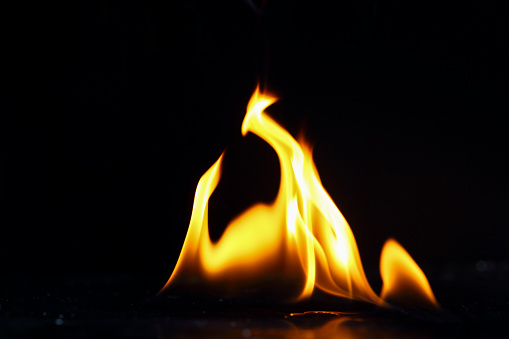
(403, 280)
(302, 233)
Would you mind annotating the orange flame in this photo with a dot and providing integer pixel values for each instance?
(302, 233)
(404, 281)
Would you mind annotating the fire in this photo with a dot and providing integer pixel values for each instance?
(301, 235)
(403, 280)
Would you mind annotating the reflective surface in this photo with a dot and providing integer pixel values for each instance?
(333, 327)
(474, 300)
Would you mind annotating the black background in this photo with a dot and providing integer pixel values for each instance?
(112, 110)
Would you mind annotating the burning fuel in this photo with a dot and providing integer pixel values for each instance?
(301, 234)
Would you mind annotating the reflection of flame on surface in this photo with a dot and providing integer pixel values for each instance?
(344, 327)
(301, 235)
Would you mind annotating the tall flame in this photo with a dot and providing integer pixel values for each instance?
(302, 232)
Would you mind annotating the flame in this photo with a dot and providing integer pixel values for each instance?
(403, 280)
(302, 234)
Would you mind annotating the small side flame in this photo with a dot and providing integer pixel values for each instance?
(302, 234)
(403, 281)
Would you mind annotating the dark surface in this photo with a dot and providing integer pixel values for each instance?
(475, 304)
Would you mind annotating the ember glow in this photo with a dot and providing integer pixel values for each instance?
(301, 235)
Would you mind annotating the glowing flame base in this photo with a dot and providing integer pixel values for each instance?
(302, 235)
